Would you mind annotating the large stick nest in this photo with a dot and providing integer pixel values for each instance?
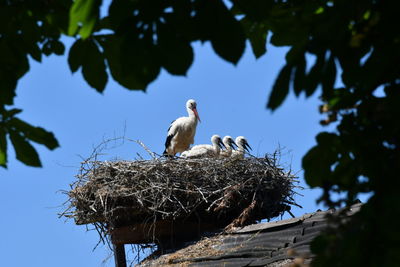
(219, 191)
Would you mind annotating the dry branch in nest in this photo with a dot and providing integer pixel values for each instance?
(222, 192)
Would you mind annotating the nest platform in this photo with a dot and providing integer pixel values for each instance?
(147, 201)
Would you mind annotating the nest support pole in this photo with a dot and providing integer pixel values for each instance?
(119, 255)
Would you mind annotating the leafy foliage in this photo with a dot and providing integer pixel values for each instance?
(132, 43)
(135, 39)
(280, 88)
(86, 54)
(356, 39)
(147, 35)
(21, 135)
(83, 17)
(28, 30)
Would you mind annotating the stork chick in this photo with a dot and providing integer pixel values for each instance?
(205, 151)
(230, 145)
(243, 146)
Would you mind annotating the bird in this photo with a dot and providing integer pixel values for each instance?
(181, 132)
(243, 146)
(205, 151)
(230, 145)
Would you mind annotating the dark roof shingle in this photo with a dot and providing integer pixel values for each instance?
(264, 244)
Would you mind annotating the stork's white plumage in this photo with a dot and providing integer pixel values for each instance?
(181, 132)
(243, 146)
(229, 144)
(205, 151)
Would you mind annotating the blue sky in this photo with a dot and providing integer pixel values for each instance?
(231, 100)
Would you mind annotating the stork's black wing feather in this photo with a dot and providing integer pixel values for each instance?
(170, 125)
(169, 138)
(167, 143)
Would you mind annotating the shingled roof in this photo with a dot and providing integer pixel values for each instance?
(265, 244)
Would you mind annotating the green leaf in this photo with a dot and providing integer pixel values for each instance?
(315, 167)
(36, 134)
(139, 59)
(329, 77)
(132, 62)
(320, 10)
(342, 98)
(94, 67)
(295, 54)
(86, 54)
(8, 84)
(25, 152)
(319, 243)
(296, 57)
(119, 12)
(176, 54)
(112, 52)
(229, 40)
(314, 77)
(46, 48)
(256, 10)
(14, 56)
(280, 88)
(327, 139)
(289, 34)
(58, 48)
(83, 13)
(3, 148)
(257, 35)
(103, 23)
(299, 75)
(218, 25)
(76, 54)
(14, 62)
(319, 159)
(12, 112)
(345, 172)
(35, 52)
(51, 47)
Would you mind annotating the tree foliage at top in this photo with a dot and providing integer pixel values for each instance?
(28, 30)
(359, 40)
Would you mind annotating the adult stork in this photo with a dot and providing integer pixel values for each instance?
(243, 146)
(181, 132)
(205, 151)
(230, 145)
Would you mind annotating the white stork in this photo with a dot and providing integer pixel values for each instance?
(243, 146)
(229, 144)
(181, 132)
(205, 151)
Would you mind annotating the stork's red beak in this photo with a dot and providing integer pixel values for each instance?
(196, 114)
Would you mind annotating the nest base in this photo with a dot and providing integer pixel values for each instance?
(160, 200)
(165, 233)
